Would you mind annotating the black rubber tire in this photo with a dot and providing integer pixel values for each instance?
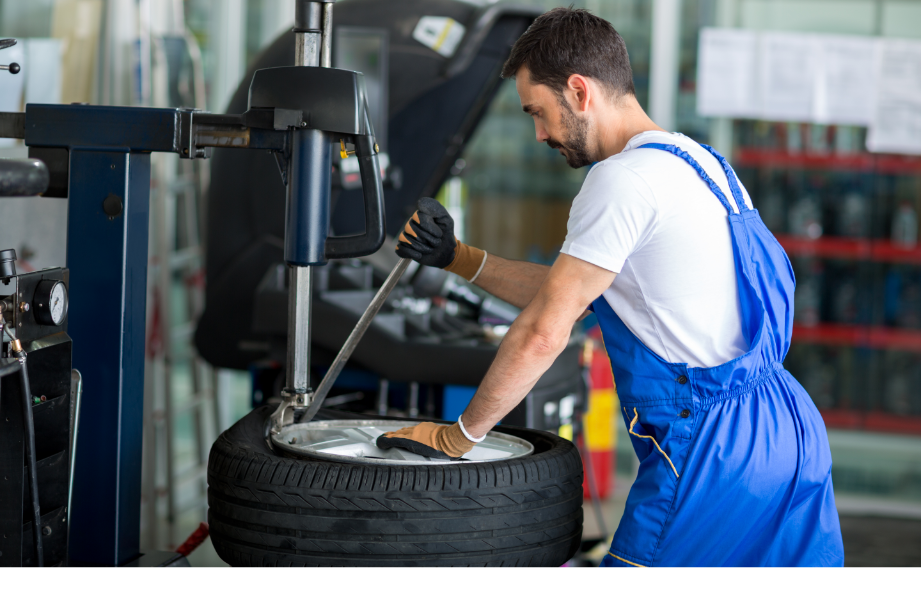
(270, 510)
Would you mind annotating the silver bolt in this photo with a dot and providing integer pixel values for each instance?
(24, 307)
(303, 124)
(46, 530)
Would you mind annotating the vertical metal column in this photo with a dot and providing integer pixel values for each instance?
(307, 219)
(107, 231)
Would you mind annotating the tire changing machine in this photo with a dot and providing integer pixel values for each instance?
(98, 157)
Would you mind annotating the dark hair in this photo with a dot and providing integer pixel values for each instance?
(567, 41)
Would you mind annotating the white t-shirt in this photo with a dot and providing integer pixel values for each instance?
(646, 215)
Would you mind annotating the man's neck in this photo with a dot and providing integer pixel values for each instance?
(622, 123)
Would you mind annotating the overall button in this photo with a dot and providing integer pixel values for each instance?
(682, 379)
(686, 413)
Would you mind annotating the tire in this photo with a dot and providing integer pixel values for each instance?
(270, 510)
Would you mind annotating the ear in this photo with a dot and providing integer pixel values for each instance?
(580, 90)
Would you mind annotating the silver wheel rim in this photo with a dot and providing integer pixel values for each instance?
(353, 441)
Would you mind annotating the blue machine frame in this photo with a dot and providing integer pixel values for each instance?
(109, 154)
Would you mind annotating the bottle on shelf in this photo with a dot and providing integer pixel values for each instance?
(844, 301)
(847, 140)
(905, 226)
(902, 305)
(854, 216)
(805, 218)
(807, 299)
(818, 142)
(794, 135)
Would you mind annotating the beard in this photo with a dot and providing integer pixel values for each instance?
(575, 146)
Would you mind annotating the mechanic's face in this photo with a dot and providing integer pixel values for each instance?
(555, 121)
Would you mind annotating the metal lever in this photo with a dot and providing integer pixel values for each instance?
(12, 67)
(281, 417)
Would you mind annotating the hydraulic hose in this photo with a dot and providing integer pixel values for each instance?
(30, 458)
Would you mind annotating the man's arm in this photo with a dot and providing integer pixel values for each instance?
(535, 340)
(515, 282)
(532, 344)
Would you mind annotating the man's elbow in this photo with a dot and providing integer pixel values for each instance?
(542, 343)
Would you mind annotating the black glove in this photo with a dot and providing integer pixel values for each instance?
(428, 236)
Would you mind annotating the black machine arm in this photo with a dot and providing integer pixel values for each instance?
(346, 247)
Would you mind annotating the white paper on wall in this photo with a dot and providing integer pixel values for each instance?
(787, 70)
(42, 70)
(845, 79)
(896, 124)
(726, 82)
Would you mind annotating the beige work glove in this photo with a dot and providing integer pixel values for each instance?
(429, 440)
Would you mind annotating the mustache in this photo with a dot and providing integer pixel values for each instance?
(554, 144)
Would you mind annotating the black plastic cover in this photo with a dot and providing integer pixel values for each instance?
(332, 100)
(23, 177)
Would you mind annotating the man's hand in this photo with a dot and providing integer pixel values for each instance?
(429, 440)
(428, 238)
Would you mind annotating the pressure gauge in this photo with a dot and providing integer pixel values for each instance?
(50, 302)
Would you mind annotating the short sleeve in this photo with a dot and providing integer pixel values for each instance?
(613, 216)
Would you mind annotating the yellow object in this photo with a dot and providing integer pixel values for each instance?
(343, 152)
(625, 561)
(636, 417)
(600, 429)
(565, 431)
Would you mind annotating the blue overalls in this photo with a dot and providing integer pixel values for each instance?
(735, 468)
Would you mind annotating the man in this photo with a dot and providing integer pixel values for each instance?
(695, 301)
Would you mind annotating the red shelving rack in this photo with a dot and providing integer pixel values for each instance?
(847, 249)
(856, 249)
(888, 164)
(875, 421)
(876, 337)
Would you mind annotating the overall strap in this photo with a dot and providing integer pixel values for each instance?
(700, 171)
(731, 177)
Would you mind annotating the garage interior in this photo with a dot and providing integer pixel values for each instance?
(161, 418)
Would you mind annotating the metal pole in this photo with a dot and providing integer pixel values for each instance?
(326, 57)
(300, 278)
(354, 338)
(306, 49)
(300, 288)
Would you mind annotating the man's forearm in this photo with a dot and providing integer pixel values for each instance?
(525, 354)
(535, 340)
(515, 282)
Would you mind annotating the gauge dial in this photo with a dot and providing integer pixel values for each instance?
(50, 302)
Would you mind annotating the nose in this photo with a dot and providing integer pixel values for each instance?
(541, 133)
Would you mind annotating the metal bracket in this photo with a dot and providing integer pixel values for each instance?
(292, 401)
(187, 148)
